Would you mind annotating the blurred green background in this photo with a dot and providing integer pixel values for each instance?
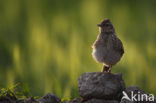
(45, 45)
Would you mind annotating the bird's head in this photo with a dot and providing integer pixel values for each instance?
(106, 26)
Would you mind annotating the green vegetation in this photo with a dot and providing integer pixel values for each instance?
(13, 94)
(46, 44)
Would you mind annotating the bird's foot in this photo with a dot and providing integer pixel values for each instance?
(109, 70)
(106, 69)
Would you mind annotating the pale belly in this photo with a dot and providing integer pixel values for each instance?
(99, 54)
(106, 55)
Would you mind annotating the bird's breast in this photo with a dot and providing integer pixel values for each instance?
(99, 53)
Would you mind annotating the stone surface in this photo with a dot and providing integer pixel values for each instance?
(136, 91)
(101, 86)
(49, 98)
(28, 100)
(126, 101)
(76, 100)
(9, 97)
(101, 101)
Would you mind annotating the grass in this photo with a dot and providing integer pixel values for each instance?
(14, 95)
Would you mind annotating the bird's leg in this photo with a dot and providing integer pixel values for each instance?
(105, 69)
(109, 70)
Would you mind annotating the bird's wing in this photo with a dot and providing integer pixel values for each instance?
(117, 44)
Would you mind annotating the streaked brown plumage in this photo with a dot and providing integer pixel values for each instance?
(108, 48)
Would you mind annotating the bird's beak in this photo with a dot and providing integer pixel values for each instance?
(99, 25)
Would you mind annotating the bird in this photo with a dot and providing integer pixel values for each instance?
(107, 48)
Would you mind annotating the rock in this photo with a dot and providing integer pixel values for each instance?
(7, 97)
(135, 90)
(101, 85)
(101, 101)
(76, 100)
(49, 98)
(28, 100)
(139, 95)
(126, 101)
